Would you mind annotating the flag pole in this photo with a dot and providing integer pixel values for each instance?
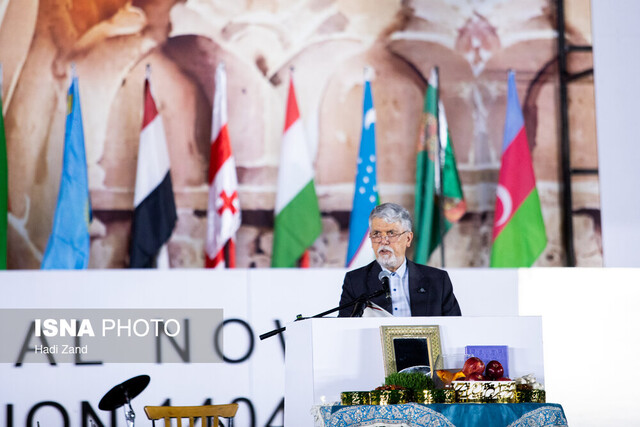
(439, 192)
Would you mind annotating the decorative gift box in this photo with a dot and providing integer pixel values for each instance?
(435, 396)
(390, 397)
(355, 398)
(531, 396)
(485, 391)
(377, 397)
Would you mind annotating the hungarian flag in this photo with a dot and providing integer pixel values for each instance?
(68, 246)
(155, 214)
(297, 215)
(223, 211)
(4, 187)
(437, 179)
(365, 197)
(518, 230)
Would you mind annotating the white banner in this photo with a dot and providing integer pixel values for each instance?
(253, 302)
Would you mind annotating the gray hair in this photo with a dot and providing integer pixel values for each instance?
(390, 213)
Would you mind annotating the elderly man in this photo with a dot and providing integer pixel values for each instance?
(416, 290)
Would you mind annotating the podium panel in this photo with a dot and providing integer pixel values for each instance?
(327, 356)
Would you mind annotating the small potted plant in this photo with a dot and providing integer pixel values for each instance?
(401, 387)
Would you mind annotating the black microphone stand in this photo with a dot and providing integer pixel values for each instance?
(362, 299)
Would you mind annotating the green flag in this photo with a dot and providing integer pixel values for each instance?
(430, 182)
(519, 234)
(297, 221)
(4, 187)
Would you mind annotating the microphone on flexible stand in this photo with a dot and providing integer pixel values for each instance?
(384, 278)
(359, 307)
(359, 304)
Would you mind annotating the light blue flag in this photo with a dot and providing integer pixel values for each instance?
(365, 197)
(68, 246)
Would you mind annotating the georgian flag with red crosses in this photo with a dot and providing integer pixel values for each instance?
(223, 211)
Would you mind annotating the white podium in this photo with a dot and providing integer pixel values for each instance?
(327, 356)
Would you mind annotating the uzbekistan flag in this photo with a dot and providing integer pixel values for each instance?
(365, 197)
(297, 215)
(223, 212)
(518, 232)
(68, 246)
(155, 209)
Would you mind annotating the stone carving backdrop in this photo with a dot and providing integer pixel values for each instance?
(327, 43)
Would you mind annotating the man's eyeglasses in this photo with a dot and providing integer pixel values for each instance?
(391, 236)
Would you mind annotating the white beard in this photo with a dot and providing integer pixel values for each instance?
(388, 261)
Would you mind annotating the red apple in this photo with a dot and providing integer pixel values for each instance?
(473, 365)
(503, 379)
(494, 370)
(475, 377)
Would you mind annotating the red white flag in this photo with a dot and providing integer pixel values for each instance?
(223, 213)
(154, 215)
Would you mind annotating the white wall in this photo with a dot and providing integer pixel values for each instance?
(616, 56)
(255, 297)
(590, 329)
(589, 317)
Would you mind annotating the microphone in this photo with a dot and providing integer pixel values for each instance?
(384, 278)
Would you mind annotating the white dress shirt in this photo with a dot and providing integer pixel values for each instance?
(399, 287)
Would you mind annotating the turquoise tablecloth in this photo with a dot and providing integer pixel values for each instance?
(458, 415)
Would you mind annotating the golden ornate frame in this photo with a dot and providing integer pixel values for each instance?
(429, 333)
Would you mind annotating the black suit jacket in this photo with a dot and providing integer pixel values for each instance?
(430, 290)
